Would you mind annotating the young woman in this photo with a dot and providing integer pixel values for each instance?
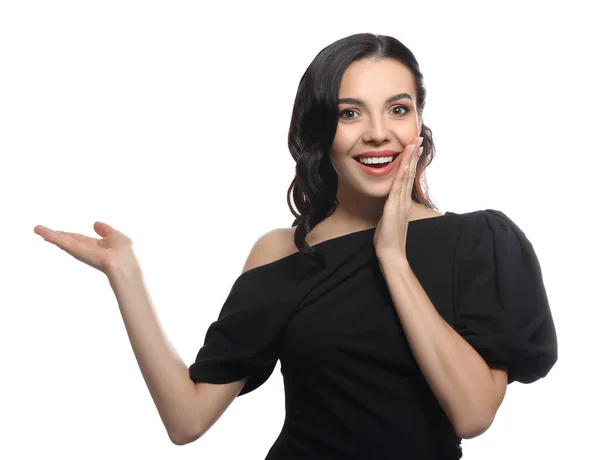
(398, 328)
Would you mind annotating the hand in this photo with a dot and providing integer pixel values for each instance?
(390, 233)
(113, 249)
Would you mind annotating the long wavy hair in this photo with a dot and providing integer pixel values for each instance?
(314, 123)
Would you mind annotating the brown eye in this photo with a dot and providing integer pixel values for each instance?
(347, 111)
(400, 107)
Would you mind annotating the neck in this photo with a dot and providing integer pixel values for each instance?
(355, 218)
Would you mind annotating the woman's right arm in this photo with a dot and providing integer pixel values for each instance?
(187, 409)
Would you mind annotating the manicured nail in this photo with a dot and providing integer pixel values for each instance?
(420, 141)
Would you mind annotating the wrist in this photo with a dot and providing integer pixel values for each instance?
(124, 270)
(393, 262)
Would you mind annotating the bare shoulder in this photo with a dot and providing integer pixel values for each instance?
(213, 399)
(270, 247)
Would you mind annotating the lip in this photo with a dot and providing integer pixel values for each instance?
(375, 154)
(380, 171)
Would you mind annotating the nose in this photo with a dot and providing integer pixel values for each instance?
(376, 131)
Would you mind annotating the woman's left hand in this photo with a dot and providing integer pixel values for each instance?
(390, 233)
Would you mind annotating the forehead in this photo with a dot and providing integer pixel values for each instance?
(376, 79)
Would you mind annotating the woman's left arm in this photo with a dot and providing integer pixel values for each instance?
(469, 391)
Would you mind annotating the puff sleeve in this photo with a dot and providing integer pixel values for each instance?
(243, 341)
(501, 307)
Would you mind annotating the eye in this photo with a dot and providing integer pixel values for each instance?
(400, 107)
(346, 111)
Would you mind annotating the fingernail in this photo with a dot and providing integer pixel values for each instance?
(420, 141)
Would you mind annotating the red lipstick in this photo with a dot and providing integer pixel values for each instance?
(382, 170)
(380, 153)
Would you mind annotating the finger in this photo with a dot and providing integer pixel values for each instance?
(400, 177)
(57, 238)
(64, 241)
(47, 234)
(414, 163)
(41, 230)
(405, 191)
(77, 236)
(406, 155)
(409, 175)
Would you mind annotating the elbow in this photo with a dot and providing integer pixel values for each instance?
(180, 438)
(471, 431)
(476, 420)
(473, 426)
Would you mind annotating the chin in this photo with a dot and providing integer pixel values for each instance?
(381, 190)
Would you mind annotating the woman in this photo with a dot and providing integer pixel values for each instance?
(398, 328)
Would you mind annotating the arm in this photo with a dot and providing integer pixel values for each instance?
(469, 391)
(187, 409)
(166, 375)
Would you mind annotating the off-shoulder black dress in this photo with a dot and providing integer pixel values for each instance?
(353, 389)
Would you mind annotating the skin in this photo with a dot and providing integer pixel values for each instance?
(469, 391)
(376, 126)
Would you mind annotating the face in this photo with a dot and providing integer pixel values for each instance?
(372, 122)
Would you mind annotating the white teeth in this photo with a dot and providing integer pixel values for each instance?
(376, 160)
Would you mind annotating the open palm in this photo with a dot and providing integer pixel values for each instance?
(102, 254)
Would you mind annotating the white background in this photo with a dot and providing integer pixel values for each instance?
(169, 120)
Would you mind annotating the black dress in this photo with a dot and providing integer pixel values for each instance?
(353, 389)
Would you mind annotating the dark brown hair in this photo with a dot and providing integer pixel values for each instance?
(314, 123)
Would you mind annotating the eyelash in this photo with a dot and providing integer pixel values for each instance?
(354, 110)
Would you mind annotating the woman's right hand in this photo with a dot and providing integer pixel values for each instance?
(104, 254)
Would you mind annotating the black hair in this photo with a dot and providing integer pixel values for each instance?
(314, 123)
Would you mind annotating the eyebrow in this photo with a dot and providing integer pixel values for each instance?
(355, 101)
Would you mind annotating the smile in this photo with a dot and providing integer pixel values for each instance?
(379, 169)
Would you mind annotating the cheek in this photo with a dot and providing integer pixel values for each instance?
(335, 157)
(338, 159)
(406, 134)
(406, 129)
(341, 141)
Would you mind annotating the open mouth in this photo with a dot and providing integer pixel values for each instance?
(379, 165)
